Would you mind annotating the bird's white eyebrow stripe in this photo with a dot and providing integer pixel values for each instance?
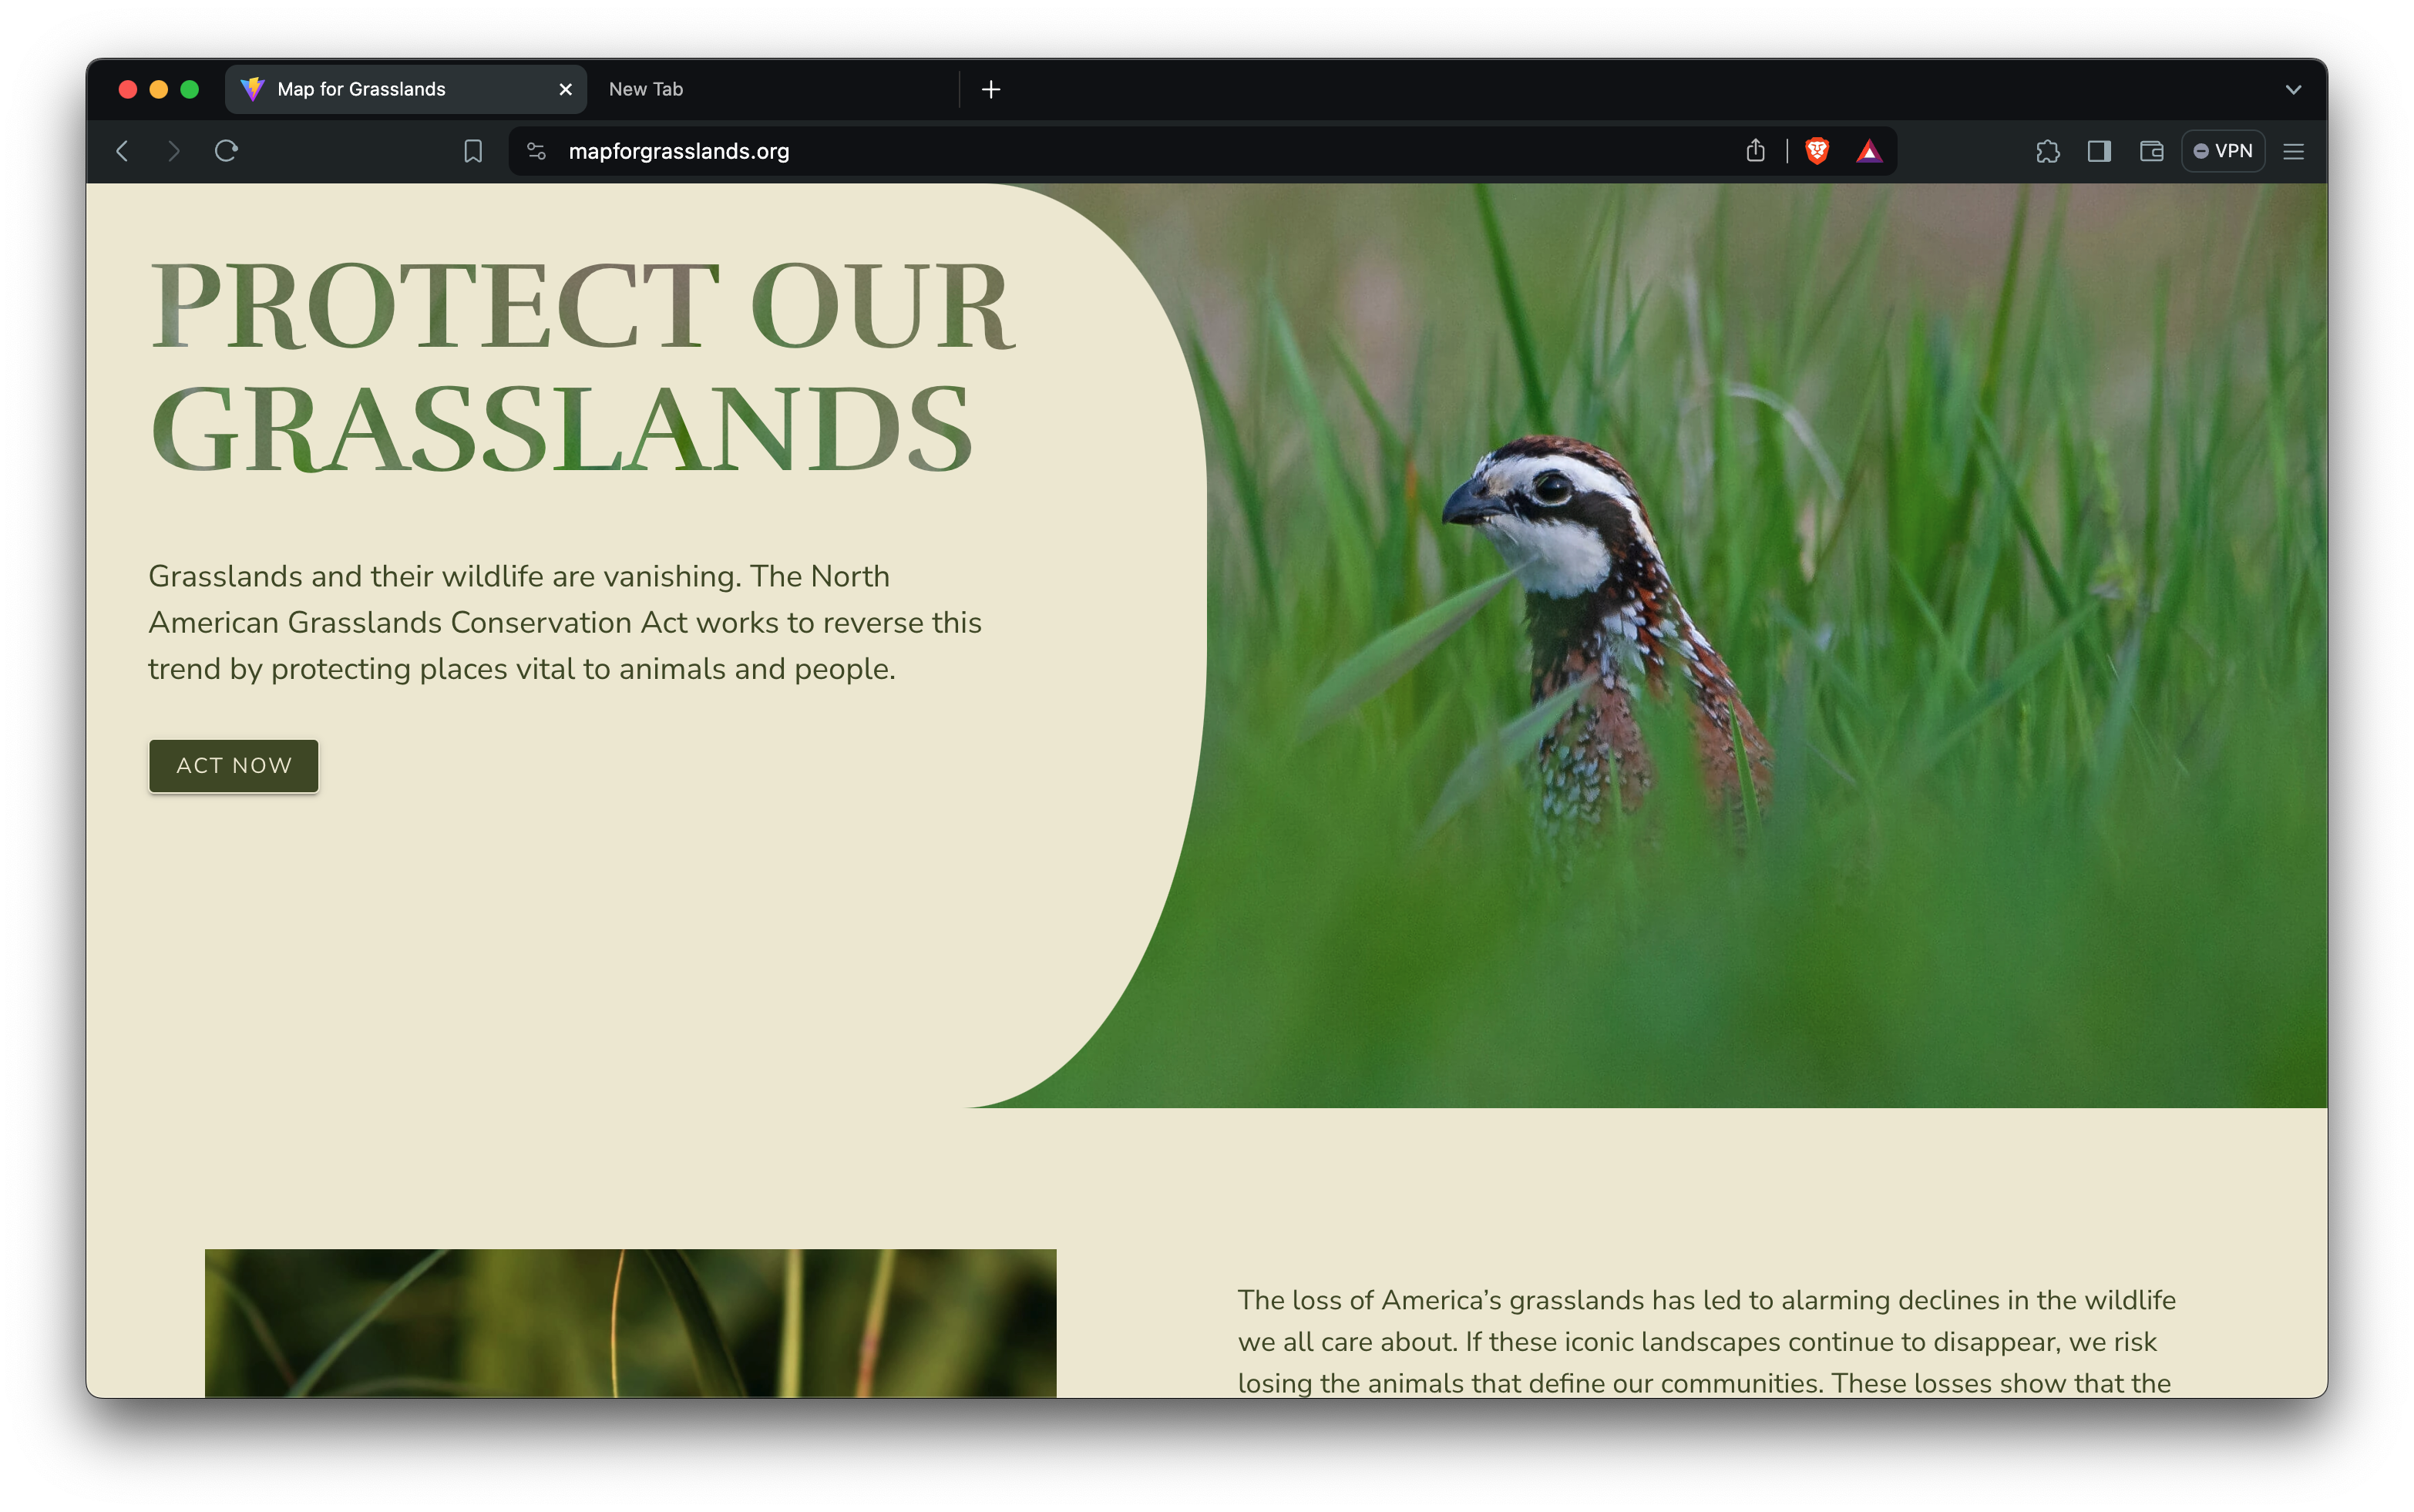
(1500, 474)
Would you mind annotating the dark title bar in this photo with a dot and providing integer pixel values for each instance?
(1566, 90)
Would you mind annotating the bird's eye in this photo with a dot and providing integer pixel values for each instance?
(1553, 488)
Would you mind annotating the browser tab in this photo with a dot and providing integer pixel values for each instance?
(407, 89)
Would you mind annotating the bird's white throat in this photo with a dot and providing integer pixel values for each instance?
(1559, 557)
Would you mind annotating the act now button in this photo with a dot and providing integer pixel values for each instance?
(234, 766)
(2222, 151)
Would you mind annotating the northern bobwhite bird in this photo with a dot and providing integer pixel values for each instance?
(1566, 518)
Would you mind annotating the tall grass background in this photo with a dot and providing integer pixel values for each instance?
(541, 1323)
(2007, 509)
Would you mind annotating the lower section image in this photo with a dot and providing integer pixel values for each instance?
(630, 1323)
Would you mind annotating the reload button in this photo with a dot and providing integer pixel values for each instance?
(234, 766)
(2222, 151)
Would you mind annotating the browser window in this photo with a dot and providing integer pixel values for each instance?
(1275, 729)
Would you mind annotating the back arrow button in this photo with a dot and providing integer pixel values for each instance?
(121, 152)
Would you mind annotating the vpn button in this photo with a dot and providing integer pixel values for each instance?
(234, 766)
(2222, 151)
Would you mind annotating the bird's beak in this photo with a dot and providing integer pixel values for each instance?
(1468, 507)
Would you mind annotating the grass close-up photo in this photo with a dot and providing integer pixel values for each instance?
(2006, 509)
(630, 1323)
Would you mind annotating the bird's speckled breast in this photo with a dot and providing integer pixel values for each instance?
(1634, 634)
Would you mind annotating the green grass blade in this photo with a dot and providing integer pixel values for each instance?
(2041, 303)
(2113, 734)
(716, 1368)
(1945, 642)
(1992, 376)
(1974, 594)
(1499, 752)
(1799, 424)
(1863, 259)
(1521, 330)
(1393, 485)
(1743, 778)
(2025, 518)
(358, 1326)
(1621, 355)
(1392, 654)
(1999, 336)
(792, 1324)
(1227, 431)
(612, 1324)
(875, 1321)
(1345, 513)
(2149, 567)
(2025, 666)
(1802, 247)
(259, 1322)
(1385, 432)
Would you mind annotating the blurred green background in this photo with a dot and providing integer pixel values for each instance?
(960, 1322)
(2008, 508)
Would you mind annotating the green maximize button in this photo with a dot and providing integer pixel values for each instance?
(234, 766)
